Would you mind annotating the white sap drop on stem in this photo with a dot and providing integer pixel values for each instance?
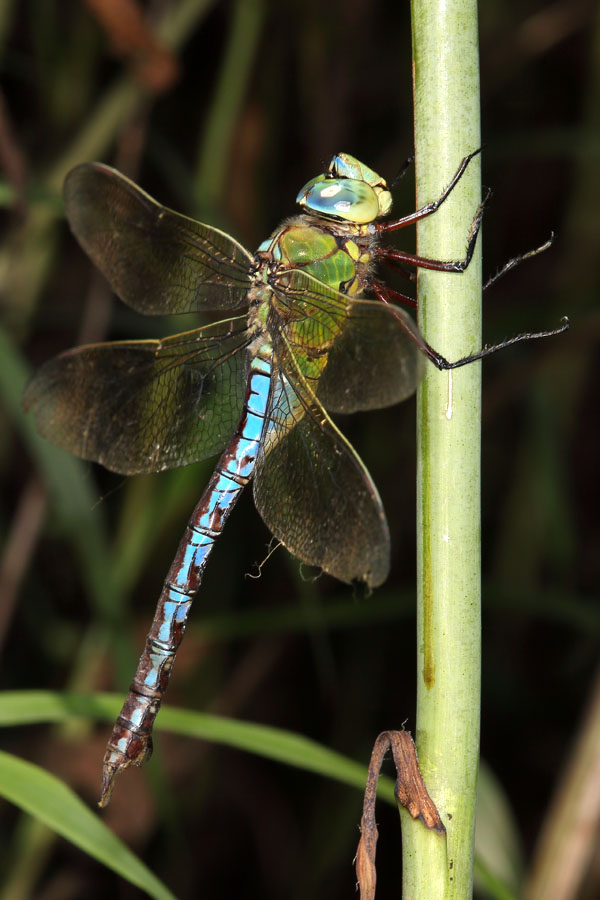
(449, 403)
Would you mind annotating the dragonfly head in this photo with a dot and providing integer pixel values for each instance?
(349, 191)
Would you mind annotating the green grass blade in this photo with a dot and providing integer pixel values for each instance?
(19, 708)
(34, 707)
(50, 801)
(219, 126)
(75, 504)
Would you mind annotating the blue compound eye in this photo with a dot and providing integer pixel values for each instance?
(350, 191)
(340, 198)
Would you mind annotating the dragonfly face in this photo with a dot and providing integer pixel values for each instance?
(349, 192)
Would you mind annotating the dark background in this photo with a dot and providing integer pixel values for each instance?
(285, 650)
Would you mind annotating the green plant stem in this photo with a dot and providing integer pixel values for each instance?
(446, 87)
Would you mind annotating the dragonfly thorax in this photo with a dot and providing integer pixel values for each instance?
(349, 191)
(339, 255)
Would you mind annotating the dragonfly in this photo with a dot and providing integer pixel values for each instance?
(258, 386)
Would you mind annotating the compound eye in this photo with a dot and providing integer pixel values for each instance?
(341, 198)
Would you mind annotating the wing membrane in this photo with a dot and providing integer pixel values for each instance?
(157, 261)
(144, 406)
(355, 354)
(312, 489)
(373, 362)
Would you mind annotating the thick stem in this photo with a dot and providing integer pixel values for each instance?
(446, 86)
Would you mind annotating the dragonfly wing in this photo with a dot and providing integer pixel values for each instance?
(312, 489)
(144, 406)
(157, 261)
(355, 354)
(375, 360)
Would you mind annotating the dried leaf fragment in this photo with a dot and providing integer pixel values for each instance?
(410, 791)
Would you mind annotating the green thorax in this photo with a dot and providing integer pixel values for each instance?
(333, 241)
(338, 255)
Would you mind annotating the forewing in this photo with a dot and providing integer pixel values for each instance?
(355, 354)
(157, 261)
(312, 489)
(144, 406)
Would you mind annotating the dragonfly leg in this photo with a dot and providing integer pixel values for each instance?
(386, 295)
(401, 269)
(401, 172)
(391, 254)
(517, 260)
(432, 206)
(507, 267)
(441, 363)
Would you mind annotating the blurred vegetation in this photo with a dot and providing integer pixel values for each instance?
(222, 111)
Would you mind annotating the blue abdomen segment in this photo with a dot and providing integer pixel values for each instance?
(131, 740)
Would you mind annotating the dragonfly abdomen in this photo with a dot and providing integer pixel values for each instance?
(131, 739)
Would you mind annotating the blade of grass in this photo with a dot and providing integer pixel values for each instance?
(75, 504)
(19, 708)
(569, 839)
(218, 130)
(31, 707)
(26, 256)
(50, 801)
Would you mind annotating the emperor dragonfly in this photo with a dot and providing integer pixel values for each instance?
(254, 387)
